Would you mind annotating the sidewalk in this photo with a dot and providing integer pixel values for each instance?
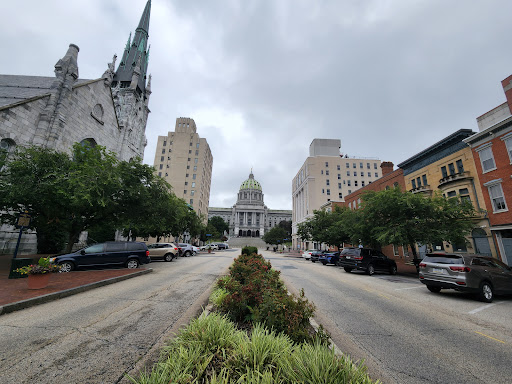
(14, 294)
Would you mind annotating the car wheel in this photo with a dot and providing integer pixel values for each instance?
(370, 269)
(431, 288)
(324, 262)
(195, 253)
(486, 294)
(66, 266)
(132, 264)
(312, 261)
(348, 269)
(168, 257)
(188, 253)
(392, 270)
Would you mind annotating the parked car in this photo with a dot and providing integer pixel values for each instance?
(212, 246)
(222, 246)
(329, 258)
(166, 251)
(366, 259)
(307, 254)
(483, 275)
(196, 250)
(186, 249)
(315, 255)
(128, 253)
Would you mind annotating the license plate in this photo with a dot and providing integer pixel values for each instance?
(348, 257)
(438, 270)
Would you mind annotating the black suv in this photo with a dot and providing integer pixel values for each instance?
(128, 253)
(366, 259)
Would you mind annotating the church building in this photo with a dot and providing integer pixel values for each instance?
(57, 112)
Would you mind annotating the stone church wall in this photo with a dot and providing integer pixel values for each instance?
(19, 123)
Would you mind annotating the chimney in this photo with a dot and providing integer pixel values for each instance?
(387, 167)
(507, 88)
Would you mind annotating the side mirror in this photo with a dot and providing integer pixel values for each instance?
(82, 252)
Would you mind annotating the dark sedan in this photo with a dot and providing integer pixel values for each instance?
(329, 258)
(315, 255)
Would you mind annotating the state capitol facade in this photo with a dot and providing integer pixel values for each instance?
(250, 217)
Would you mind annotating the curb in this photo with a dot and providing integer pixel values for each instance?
(8, 308)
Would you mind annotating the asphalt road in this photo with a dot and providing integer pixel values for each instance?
(405, 333)
(99, 335)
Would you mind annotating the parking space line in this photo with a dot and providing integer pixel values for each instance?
(492, 338)
(476, 310)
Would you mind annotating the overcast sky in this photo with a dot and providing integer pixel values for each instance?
(263, 78)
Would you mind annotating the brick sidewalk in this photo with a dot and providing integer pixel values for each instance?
(15, 290)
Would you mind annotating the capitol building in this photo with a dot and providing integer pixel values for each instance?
(250, 217)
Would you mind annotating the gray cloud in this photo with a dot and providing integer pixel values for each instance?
(264, 78)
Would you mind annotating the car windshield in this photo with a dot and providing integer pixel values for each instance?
(444, 259)
(350, 251)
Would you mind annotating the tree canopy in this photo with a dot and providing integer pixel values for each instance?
(89, 189)
(276, 235)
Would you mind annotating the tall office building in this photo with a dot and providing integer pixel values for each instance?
(325, 176)
(185, 161)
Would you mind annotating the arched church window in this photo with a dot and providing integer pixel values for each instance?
(97, 113)
(88, 142)
(6, 147)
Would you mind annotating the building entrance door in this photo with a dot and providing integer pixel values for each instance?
(482, 246)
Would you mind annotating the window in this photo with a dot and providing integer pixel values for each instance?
(348, 183)
(189, 151)
(194, 176)
(424, 178)
(323, 190)
(355, 173)
(191, 201)
(340, 196)
(413, 182)
(339, 176)
(160, 174)
(362, 174)
(328, 192)
(165, 143)
(376, 174)
(197, 145)
(195, 160)
(188, 159)
(355, 183)
(163, 150)
(338, 167)
(184, 191)
(348, 165)
(188, 166)
(368, 165)
(451, 168)
(195, 168)
(348, 173)
(460, 166)
(327, 181)
(360, 165)
(496, 194)
(339, 185)
(508, 143)
(451, 194)
(162, 158)
(362, 183)
(327, 172)
(464, 194)
(374, 165)
(186, 175)
(395, 250)
(354, 165)
(418, 181)
(186, 182)
(369, 174)
(192, 192)
(443, 172)
(161, 166)
(349, 191)
(190, 143)
(193, 184)
(486, 159)
(321, 171)
(326, 164)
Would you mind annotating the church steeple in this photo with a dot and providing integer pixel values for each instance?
(135, 52)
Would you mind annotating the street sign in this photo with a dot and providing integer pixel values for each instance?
(208, 234)
(23, 220)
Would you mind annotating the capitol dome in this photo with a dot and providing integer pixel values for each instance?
(251, 183)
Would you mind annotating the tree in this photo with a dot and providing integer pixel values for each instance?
(219, 224)
(287, 226)
(396, 217)
(332, 228)
(276, 235)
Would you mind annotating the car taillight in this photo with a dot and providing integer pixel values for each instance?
(461, 283)
(147, 253)
(423, 265)
(175, 249)
(460, 269)
(358, 257)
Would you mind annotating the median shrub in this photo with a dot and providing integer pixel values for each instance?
(249, 250)
(256, 294)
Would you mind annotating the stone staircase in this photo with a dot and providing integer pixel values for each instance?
(240, 242)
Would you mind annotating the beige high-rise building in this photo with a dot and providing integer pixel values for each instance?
(185, 161)
(325, 176)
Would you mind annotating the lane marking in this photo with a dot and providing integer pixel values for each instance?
(476, 310)
(386, 297)
(492, 338)
(401, 289)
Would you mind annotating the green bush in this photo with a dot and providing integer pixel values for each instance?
(249, 250)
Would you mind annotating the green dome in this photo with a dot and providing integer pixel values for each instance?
(250, 183)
